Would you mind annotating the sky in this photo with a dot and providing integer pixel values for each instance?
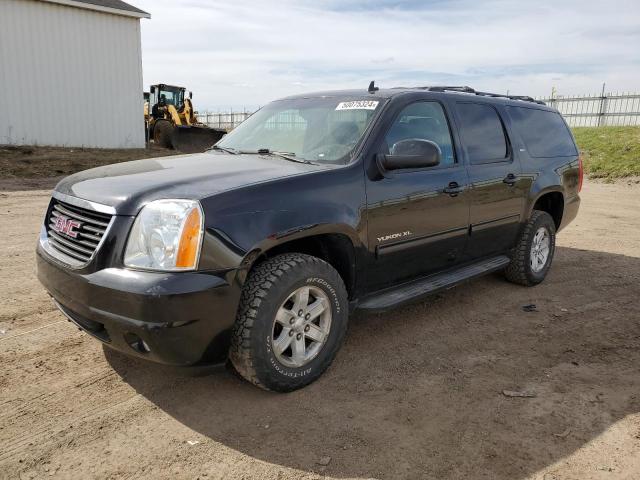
(244, 53)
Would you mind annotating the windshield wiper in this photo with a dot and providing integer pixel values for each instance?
(286, 155)
(224, 149)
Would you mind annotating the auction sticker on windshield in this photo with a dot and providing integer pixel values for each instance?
(358, 105)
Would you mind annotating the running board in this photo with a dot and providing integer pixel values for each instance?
(426, 286)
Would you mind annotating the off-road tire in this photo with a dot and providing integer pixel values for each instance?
(266, 288)
(163, 133)
(519, 270)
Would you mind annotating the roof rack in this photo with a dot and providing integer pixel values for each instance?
(465, 89)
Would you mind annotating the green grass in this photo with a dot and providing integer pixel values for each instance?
(609, 152)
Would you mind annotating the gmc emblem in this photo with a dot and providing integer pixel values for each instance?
(66, 225)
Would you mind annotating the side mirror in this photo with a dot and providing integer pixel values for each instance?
(190, 95)
(412, 153)
(152, 89)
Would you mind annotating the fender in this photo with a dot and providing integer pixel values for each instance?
(554, 175)
(532, 200)
(243, 224)
(220, 252)
(300, 233)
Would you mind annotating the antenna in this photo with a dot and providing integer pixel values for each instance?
(372, 87)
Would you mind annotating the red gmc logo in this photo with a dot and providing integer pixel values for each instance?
(66, 225)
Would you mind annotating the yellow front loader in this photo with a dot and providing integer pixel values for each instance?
(172, 123)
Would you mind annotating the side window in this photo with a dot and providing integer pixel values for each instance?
(425, 121)
(544, 133)
(482, 133)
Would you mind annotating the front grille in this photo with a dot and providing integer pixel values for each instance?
(75, 232)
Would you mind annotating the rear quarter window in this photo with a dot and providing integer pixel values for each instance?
(544, 133)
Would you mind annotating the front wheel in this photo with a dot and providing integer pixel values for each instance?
(162, 133)
(291, 322)
(533, 254)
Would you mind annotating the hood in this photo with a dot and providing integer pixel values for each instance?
(128, 186)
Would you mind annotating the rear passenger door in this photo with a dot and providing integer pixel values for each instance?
(496, 193)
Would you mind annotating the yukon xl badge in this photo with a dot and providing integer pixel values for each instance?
(66, 226)
(393, 236)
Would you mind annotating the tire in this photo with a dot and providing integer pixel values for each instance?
(269, 293)
(162, 133)
(523, 270)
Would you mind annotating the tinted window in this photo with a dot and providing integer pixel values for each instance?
(482, 133)
(544, 133)
(425, 121)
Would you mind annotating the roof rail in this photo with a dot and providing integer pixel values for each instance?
(465, 89)
(524, 98)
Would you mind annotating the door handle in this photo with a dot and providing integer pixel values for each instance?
(510, 179)
(453, 189)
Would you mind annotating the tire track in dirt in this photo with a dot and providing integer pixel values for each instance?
(51, 432)
(427, 404)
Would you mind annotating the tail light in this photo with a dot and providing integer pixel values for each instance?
(580, 173)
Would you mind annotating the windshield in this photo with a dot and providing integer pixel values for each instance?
(322, 130)
(172, 96)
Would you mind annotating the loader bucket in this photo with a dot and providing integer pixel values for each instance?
(195, 139)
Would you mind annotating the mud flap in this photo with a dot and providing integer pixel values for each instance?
(195, 139)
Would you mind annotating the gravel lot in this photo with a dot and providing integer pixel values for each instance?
(415, 393)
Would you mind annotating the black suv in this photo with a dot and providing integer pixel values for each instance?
(258, 249)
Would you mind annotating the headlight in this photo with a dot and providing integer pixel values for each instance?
(166, 235)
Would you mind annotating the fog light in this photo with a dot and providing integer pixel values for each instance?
(135, 342)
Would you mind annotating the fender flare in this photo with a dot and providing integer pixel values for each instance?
(540, 194)
(293, 234)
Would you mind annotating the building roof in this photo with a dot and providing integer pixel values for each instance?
(116, 7)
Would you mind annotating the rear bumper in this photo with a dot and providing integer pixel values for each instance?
(171, 318)
(571, 207)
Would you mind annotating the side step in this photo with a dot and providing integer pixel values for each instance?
(413, 290)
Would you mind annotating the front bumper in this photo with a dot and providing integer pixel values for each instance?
(172, 318)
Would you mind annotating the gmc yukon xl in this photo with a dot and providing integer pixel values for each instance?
(257, 250)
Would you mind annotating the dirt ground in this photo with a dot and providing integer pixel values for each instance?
(415, 393)
(41, 162)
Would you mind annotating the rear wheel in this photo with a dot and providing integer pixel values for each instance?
(533, 254)
(162, 133)
(291, 322)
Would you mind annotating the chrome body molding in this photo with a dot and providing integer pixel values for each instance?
(82, 203)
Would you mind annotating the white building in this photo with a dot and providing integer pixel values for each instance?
(71, 73)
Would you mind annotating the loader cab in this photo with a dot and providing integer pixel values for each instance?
(171, 95)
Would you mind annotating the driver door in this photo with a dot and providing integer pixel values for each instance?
(418, 219)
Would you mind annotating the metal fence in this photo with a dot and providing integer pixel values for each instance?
(598, 110)
(225, 120)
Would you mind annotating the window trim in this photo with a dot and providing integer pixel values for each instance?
(456, 157)
(509, 158)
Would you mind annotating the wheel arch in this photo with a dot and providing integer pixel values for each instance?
(337, 248)
(550, 200)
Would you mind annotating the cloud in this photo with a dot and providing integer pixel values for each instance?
(245, 53)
